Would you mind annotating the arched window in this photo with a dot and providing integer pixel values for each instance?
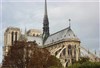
(64, 51)
(15, 36)
(33, 34)
(12, 37)
(75, 51)
(69, 50)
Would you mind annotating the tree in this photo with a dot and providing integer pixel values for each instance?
(53, 62)
(28, 55)
(15, 57)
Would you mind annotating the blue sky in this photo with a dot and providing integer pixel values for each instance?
(84, 15)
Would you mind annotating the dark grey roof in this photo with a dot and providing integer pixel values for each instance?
(66, 34)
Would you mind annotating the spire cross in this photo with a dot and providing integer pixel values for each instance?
(69, 23)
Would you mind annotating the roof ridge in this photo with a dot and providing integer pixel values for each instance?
(58, 31)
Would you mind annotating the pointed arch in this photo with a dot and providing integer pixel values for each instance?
(64, 52)
(12, 37)
(15, 36)
(69, 50)
(75, 51)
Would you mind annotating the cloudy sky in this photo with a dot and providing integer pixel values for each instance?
(84, 15)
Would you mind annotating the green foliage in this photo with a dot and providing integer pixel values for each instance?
(83, 59)
(76, 65)
(85, 63)
(53, 62)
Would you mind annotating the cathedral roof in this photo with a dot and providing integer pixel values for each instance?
(64, 35)
(37, 39)
(35, 30)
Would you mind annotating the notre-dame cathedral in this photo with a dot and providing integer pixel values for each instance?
(63, 44)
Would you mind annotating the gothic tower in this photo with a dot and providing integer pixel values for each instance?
(11, 35)
(45, 24)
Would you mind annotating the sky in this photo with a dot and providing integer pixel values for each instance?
(84, 15)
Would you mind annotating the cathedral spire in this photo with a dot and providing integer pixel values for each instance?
(45, 24)
(45, 8)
